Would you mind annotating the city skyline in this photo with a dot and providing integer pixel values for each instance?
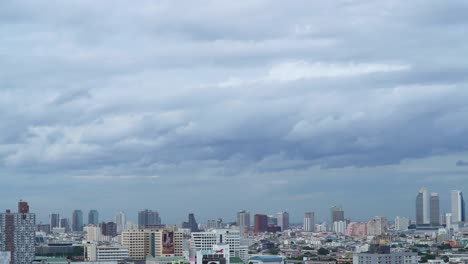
(280, 104)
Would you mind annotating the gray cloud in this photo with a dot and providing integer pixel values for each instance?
(262, 97)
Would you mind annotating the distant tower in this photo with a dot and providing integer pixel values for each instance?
(337, 214)
(93, 217)
(283, 220)
(434, 206)
(192, 223)
(309, 222)
(422, 207)
(148, 218)
(260, 223)
(54, 220)
(458, 207)
(77, 221)
(120, 221)
(243, 222)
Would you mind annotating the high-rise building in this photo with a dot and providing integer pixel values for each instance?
(434, 209)
(339, 227)
(401, 223)
(192, 223)
(272, 220)
(65, 224)
(448, 221)
(120, 221)
(337, 214)
(458, 207)
(148, 218)
(153, 242)
(309, 222)
(93, 217)
(243, 222)
(356, 229)
(377, 226)
(54, 220)
(17, 234)
(215, 224)
(108, 229)
(422, 207)
(77, 221)
(93, 233)
(260, 223)
(206, 241)
(283, 220)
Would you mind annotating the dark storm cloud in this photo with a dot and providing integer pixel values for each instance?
(257, 95)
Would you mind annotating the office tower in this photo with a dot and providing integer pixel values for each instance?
(458, 207)
(283, 220)
(120, 221)
(401, 223)
(309, 222)
(215, 224)
(65, 224)
(206, 241)
(339, 227)
(434, 209)
(448, 221)
(377, 226)
(77, 221)
(153, 242)
(337, 214)
(260, 223)
(422, 208)
(93, 217)
(243, 222)
(148, 218)
(109, 229)
(192, 223)
(54, 220)
(17, 234)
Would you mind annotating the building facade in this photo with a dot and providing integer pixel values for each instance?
(93, 217)
(458, 206)
(260, 223)
(309, 222)
(243, 222)
(77, 221)
(283, 220)
(148, 219)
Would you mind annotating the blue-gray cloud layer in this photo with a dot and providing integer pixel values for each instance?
(226, 104)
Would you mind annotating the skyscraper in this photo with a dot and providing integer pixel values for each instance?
(458, 207)
(243, 222)
(65, 223)
(260, 223)
(283, 220)
(77, 221)
(337, 214)
(148, 218)
(120, 221)
(309, 222)
(434, 209)
(17, 234)
(422, 207)
(109, 229)
(93, 217)
(54, 220)
(192, 223)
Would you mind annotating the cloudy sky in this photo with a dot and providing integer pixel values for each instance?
(216, 106)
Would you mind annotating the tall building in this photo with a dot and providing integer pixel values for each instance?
(192, 223)
(283, 220)
(77, 221)
(448, 221)
(434, 209)
(260, 223)
(148, 218)
(458, 207)
(153, 242)
(54, 220)
(337, 214)
(422, 207)
(401, 223)
(339, 227)
(65, 224)
(109, 229)
(93, 217)
(356, 229)
(93, 233)
(309, 222)
(206, 241)
(120, 221)
(17, 234)
(377, 226)
(243, 222)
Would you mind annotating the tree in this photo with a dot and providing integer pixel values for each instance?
(323, 251)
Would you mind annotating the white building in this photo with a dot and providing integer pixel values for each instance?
(93, 233)
(206, 241)
(93, 252)
(401, 223)
(283, 220)
(309, 222)
(214, 255)
(339, 227)
(243, 222)
(458, 207)
(392, 258)
(377, 226)
(120, 221)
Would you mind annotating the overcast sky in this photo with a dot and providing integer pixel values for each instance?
(216, 106)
